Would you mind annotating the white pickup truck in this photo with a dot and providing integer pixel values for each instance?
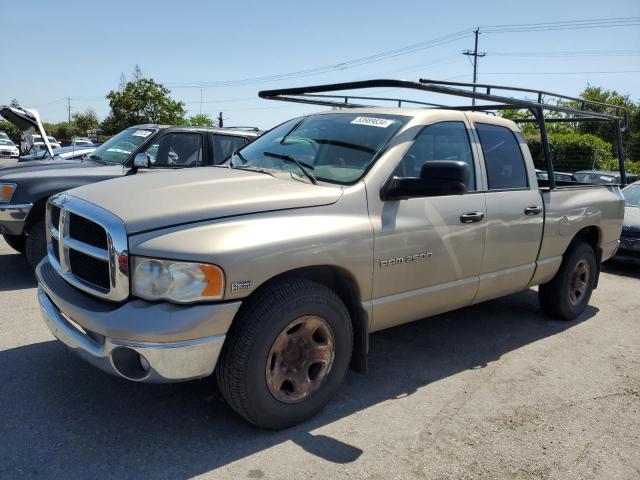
(274, 268)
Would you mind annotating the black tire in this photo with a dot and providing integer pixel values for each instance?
(241, 368)
(556, 295)
(15, 241)
(36, 244)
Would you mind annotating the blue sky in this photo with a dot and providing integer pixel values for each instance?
(79, 49)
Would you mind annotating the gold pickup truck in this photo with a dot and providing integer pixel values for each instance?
(273, 268)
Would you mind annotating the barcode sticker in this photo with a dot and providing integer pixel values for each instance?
(141, 133)
(372, 122)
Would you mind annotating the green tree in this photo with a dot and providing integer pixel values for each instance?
(85, 121)
(201, 119)
(11, 130)
(142, 101)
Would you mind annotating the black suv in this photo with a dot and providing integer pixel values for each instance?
(25, 187)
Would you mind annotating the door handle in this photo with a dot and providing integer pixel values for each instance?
(533, 210)
(471, 217)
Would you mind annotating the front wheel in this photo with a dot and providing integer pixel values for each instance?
(15, 241)
(568, 293)
(36, 244)
(286, 353)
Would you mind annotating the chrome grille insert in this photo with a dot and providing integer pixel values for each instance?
(74, 241)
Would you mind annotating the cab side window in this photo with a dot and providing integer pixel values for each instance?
(502, 157)
(440, 141)
(225, 145)
(176, 150)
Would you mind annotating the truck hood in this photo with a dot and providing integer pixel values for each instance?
(28, 122)
(40, 165)
(154, 200)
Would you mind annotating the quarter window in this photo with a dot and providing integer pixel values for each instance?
(440, 141)
(502, 157)
(225, 145)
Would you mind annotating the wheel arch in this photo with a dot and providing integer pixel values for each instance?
(342, 282)
(593, 237)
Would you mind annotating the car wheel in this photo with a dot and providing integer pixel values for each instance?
(15, 241)
(286, 353)
(568, 293)
(36, 244)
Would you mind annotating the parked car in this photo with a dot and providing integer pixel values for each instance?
(629, 250)
(559, 176)
(62, 153)
(8, 148)
(29, 184)
(4, 136)
(81, 142)
(273, 268)
(602, 177)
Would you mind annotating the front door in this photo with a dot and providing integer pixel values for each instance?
(514, 214)
(428, 251)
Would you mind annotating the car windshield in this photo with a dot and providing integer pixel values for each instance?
(120, 147)
(334, 147)
(4, 141)
(632, 195)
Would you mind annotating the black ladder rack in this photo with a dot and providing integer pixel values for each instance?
(584, 110)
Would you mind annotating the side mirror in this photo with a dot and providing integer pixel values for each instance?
(437, 178)
(141, 160)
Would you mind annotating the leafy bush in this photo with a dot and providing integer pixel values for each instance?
(11, 130)
(573, 151)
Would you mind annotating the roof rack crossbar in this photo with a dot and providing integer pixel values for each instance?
(306, 95)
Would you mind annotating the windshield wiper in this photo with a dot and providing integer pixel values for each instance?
(305, 167)
(97, 158)
(240, 156)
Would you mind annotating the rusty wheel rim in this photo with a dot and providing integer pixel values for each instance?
(300, 359)
(579, 282)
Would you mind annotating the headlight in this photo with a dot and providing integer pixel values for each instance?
(180, 282)
(6, 191)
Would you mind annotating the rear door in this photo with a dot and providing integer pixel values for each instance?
(177, 149)
(514, 212)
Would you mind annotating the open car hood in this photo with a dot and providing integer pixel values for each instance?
(27, 121)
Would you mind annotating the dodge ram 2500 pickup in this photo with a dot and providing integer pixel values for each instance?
(272, 269)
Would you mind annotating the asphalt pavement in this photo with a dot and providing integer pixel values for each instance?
(492, 391)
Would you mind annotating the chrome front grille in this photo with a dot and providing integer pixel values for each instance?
(87, 245)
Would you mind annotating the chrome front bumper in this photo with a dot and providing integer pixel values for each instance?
(136, 340)
(12, 218)
(137, 361)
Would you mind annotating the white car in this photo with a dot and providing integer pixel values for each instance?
(8, 148)
(39, 143)
(81, 142)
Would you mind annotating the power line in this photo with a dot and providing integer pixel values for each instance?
(564, 25)
(588, 53)
(555, 73)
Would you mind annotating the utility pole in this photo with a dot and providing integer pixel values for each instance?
(475, 54)
(220, 120)
(69, 108)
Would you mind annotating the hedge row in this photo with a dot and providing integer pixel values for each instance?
(573, 151)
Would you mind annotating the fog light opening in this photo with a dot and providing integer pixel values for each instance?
(130, 364)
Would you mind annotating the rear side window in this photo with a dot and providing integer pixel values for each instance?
(502, 157)
(225, 145)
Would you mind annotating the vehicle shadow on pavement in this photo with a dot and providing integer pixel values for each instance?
(64, 418)
(15, 273)
(620, 268)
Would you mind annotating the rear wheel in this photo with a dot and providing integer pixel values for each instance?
(568, 293)
(286, 353)
(36, 244)
(15, 241)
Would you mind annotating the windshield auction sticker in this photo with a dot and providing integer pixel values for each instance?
(372, 122)
(141, 133)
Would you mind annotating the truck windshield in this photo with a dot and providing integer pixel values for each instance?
(334, 147)
(118, 148)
